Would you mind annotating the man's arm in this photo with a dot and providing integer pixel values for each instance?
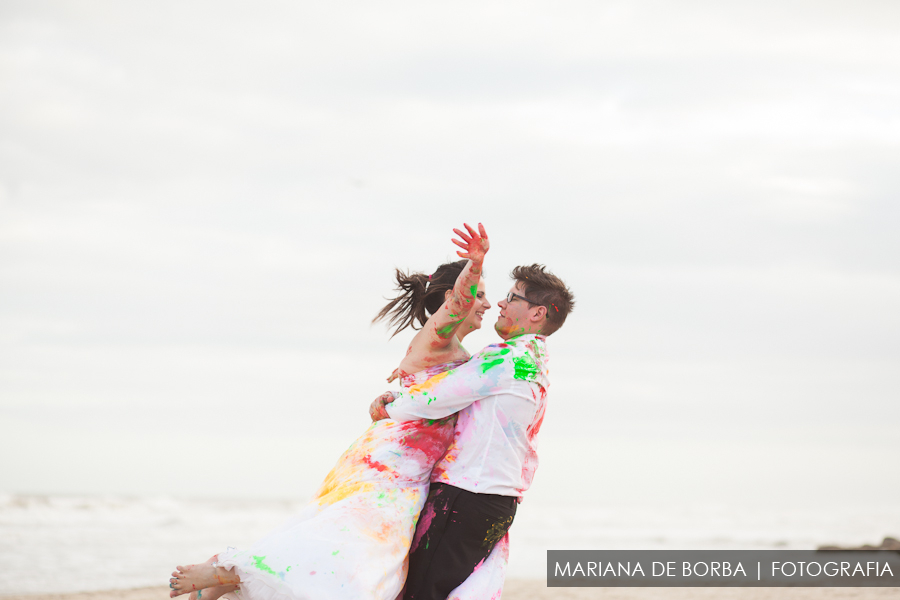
(488, 373)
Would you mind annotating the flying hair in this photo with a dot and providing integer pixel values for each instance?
(419, 296)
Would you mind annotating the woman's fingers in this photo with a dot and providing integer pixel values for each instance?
(462, 235)
(473, 242)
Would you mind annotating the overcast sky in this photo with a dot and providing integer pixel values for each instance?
(201, 205)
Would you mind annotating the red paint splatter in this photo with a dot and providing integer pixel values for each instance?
(431, 440)
(375, 464)
(535, 425)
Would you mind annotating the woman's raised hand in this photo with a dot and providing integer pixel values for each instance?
(475, 243)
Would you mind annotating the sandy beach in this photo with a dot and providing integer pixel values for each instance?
(536, 589)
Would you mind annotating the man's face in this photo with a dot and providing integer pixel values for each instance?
(514, 316)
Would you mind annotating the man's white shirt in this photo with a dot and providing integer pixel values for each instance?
(500, 395)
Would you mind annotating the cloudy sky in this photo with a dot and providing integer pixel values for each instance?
(201, 205)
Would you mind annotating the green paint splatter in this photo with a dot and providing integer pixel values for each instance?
(447, 330)
(525, 368)
(444, 332)
(473, 290)
(490, 364)
(335, 552)
(259, 564)
(286, 570)
(500, 352)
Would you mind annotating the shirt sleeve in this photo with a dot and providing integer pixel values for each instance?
(488, 373)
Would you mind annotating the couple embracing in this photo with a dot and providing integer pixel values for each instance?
(419, 506)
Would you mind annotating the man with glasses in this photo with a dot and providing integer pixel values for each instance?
(500, 396)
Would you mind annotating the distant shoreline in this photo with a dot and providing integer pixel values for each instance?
(536, 589)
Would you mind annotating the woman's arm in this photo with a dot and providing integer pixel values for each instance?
(443, 324)
(429, 344)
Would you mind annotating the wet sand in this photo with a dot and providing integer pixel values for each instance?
(524, 589)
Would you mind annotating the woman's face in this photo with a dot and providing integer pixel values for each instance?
(473, 321)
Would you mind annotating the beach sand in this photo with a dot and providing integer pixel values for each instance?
(524, 589)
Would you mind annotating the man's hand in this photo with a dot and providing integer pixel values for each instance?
(377, 410)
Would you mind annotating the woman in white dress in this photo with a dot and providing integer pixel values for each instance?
(352, 539)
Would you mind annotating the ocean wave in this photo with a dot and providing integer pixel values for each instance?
(55, 544)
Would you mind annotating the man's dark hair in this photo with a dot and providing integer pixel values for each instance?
(546, 289)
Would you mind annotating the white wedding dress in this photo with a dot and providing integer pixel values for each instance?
(351, 541)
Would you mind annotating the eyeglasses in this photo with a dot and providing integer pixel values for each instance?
(512, 296)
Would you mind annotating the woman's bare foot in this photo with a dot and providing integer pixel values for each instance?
(195, 578)
(212, 593)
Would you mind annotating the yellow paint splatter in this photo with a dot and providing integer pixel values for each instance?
(426, 385)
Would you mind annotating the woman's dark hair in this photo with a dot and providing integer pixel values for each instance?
(419, 294)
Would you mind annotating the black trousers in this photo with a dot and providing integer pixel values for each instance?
(457, 529)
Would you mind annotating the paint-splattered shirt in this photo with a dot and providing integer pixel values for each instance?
(500, 395)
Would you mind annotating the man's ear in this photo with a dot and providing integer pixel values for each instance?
(539, 313)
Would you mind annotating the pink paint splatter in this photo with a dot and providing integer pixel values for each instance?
(425, 519)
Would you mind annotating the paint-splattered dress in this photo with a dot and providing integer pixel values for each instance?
(351, 541)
